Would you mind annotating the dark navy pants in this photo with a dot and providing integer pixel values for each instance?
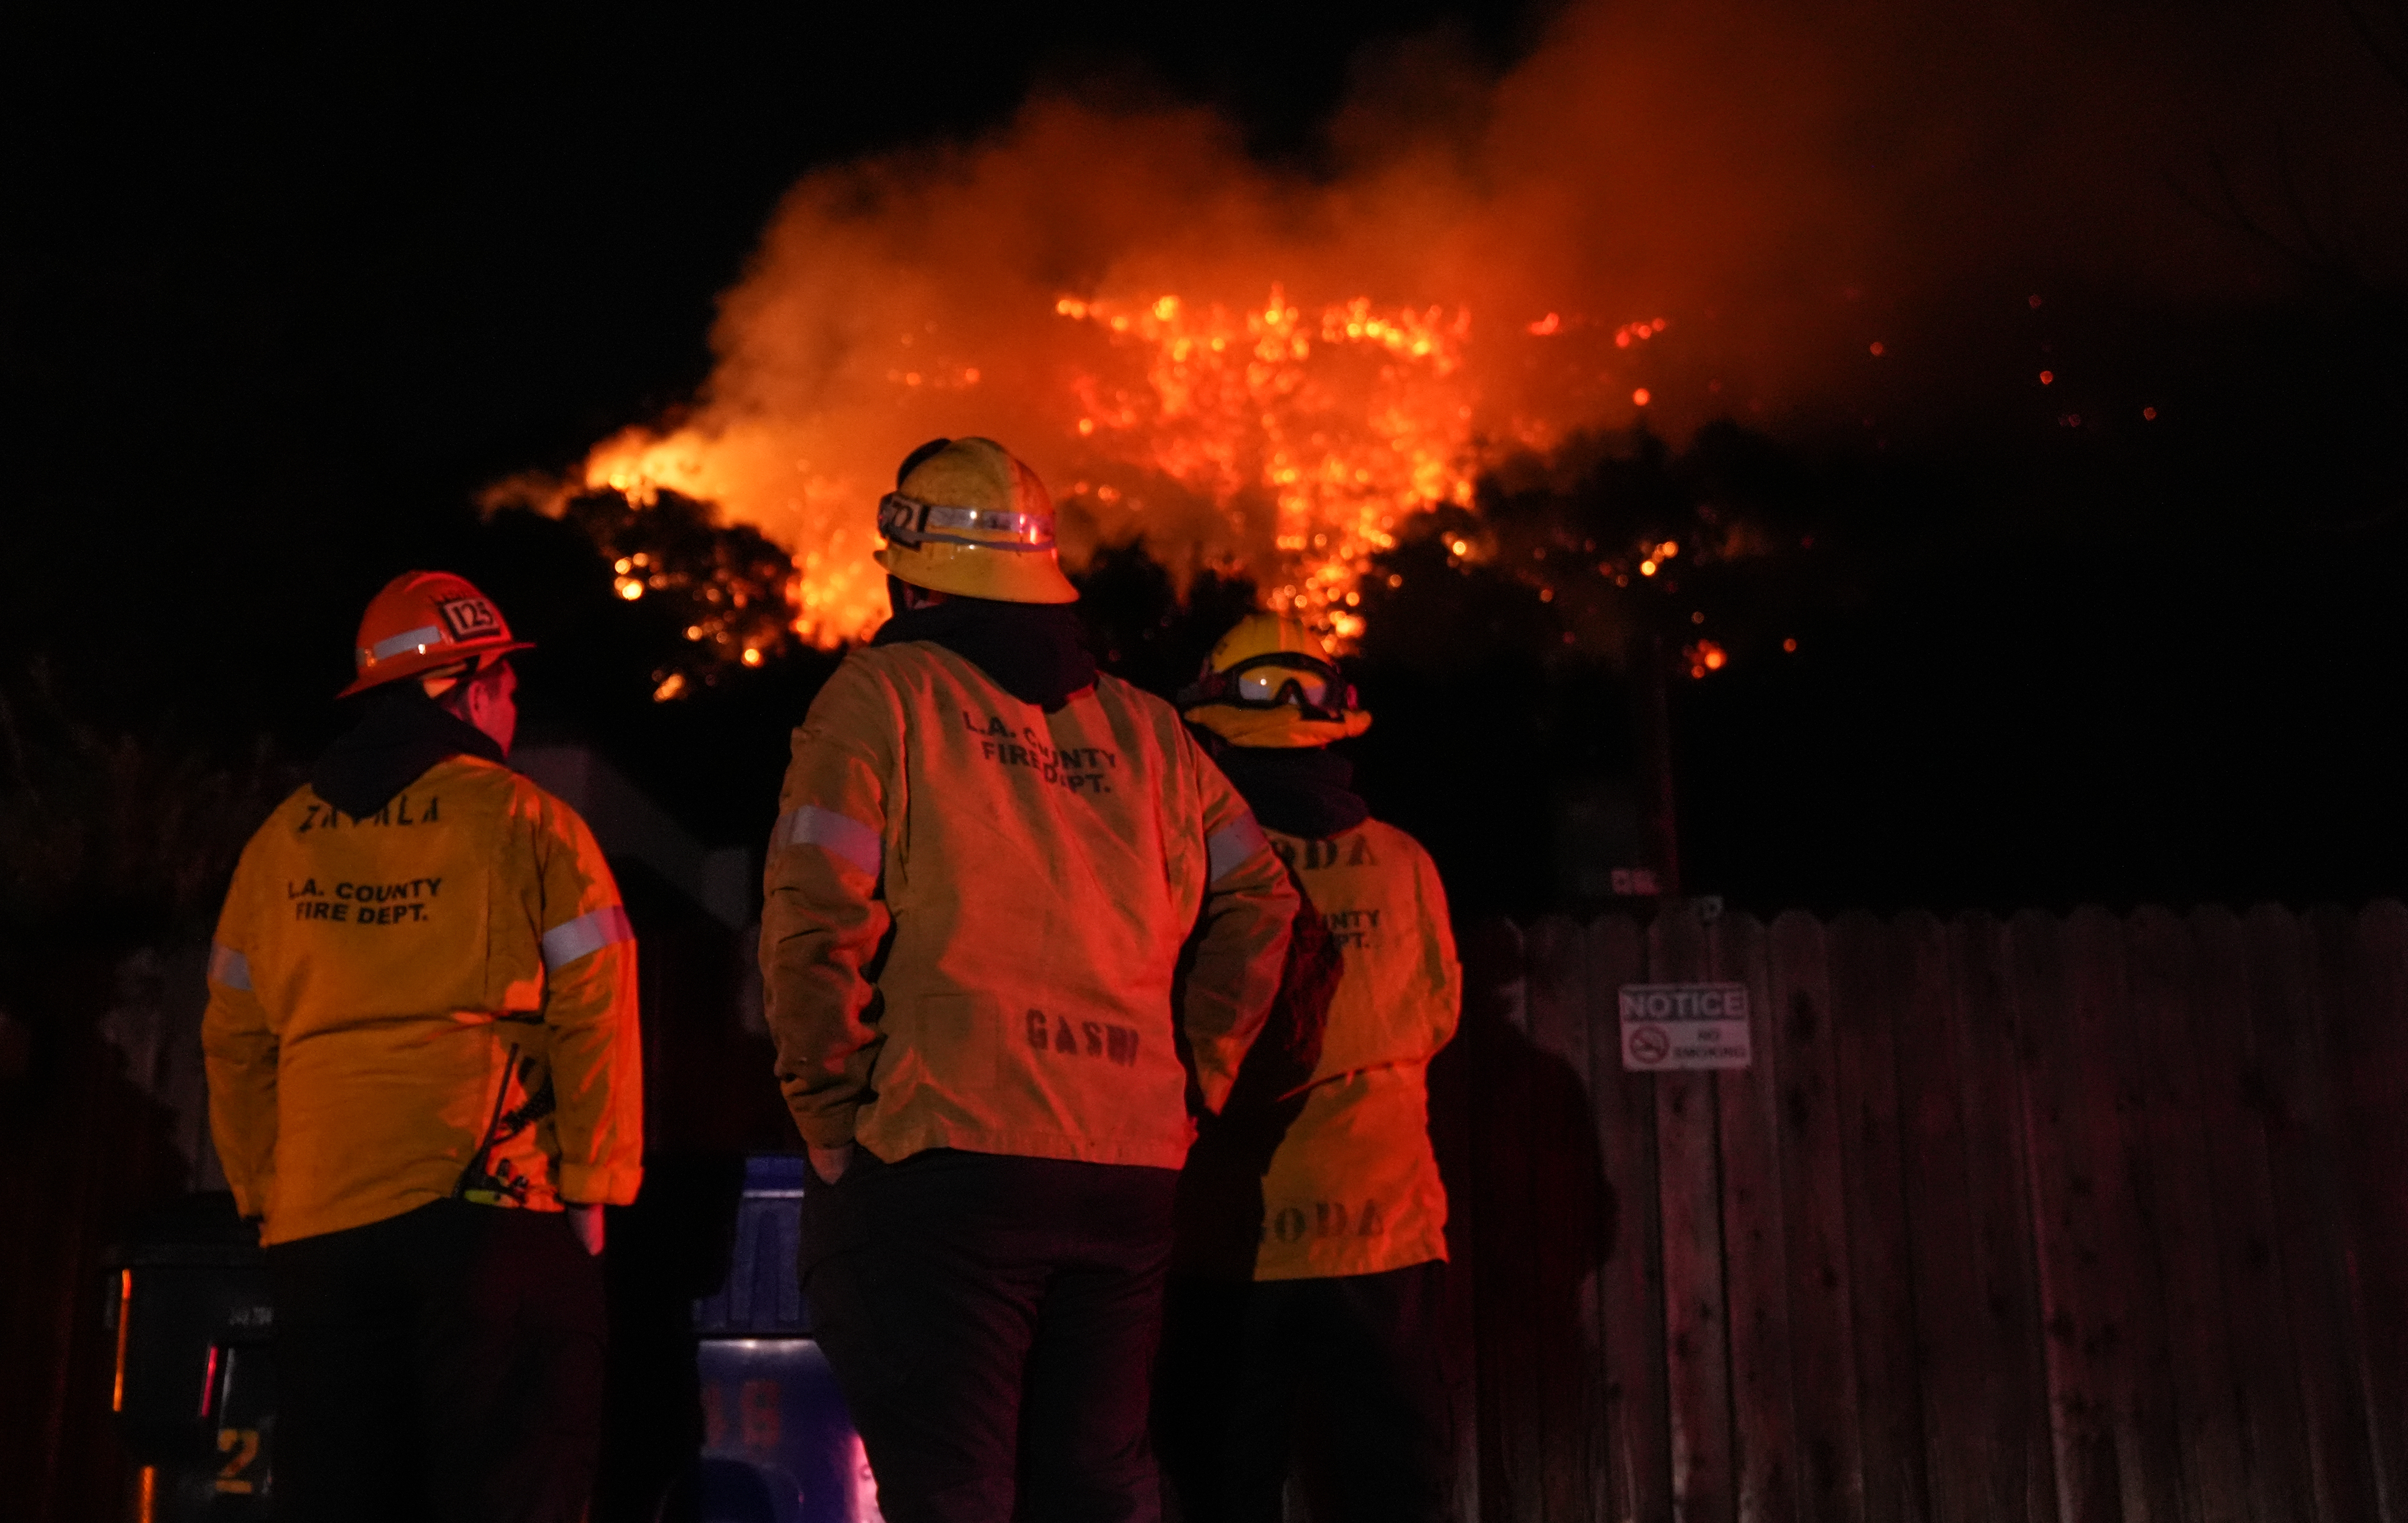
(993, 1321)
(442, 1364)
(1350, 1364)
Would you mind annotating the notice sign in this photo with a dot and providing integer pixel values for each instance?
(1683, 1026)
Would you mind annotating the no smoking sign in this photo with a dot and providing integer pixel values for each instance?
(1670, 1026)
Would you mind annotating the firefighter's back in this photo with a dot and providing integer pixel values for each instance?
(398, 958)
(1353, 1188)
(1043, 875)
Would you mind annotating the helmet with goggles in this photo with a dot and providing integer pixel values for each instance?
(1270, 682)
(967, 517)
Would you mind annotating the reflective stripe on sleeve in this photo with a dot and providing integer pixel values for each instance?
(228, 967)
(1228, 847)
(585, 936)
(848, 837)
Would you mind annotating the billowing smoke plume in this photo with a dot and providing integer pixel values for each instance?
(1693, 210)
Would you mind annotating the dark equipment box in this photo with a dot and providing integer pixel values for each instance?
(193, 1386)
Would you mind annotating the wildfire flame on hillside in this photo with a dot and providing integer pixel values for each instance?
(1312, 433)
(1255, 371)
(1350, 424)
(1261, 369)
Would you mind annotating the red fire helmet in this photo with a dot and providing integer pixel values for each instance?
(423, 623)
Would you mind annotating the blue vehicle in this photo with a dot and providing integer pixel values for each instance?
(778, 1445)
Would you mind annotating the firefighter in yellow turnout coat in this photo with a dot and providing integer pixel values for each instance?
(1312, 1217)
(424, 1083)
(1013, 920)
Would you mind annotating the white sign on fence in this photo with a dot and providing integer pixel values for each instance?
(1683, 1026)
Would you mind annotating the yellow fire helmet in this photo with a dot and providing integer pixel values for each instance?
(1270, 682)
(967, 516)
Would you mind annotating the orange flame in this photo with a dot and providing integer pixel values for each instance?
(1481, 265)
(1349, 420)
(1253, 371)
(1312, 433)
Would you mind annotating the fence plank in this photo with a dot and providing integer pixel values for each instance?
(1755, 1274)
(1567, 1185)
(2063, 1186)
(1689, 1191)
(1889, 1402)
(58, 1156)
(1629, 1295)
(2116, 1448)
(1949, 1313)
(2134, 1358)
(1457, 1115)
(2170, 1060)
(1503, 1091)
(2287, 1026)
(2015, 1365)
(2365, 975)
(2233, 1112)
(1814, 1198)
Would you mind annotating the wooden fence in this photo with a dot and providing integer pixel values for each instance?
(2041, 1219)
(2044, 1218)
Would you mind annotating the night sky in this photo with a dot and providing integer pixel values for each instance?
(283, 298)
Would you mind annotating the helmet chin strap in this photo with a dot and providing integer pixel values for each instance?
(902, 595)
(443, 679)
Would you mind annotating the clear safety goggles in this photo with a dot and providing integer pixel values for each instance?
(1282, 678)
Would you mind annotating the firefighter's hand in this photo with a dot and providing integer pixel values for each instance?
(586, 1222)
(829, 1163)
